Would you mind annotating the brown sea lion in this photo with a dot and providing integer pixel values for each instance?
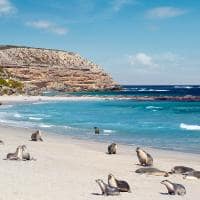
(26, 155)
(36, 136)
(106, 189)
(174, 188)
(17, 155)
(181, 170)
(144, 158)
(96, 130)
(152, 171)
(112, 148)
(192, 175)
(123, 186)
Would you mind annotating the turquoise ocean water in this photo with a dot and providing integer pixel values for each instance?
(165, 125)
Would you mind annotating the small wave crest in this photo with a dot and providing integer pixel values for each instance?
(153, 107)
(108, 131)
(17, 115)
(152, 90)
(35, 118)
(190, 127)
(40, 102)
(45, 125)
(183, 87)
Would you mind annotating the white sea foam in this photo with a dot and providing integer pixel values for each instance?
(68, 127)
(17, 115)
(40, 102)
(45, 125)
(153, 107)
(108, 131)
(183, 86)
(6, 106)
(151, 90)
(17, 123)
(106, 134)
(35, 118)
(190, 127)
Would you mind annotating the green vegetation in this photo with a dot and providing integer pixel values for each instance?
(9, 85)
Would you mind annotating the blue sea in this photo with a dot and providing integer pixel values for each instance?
(160, 124)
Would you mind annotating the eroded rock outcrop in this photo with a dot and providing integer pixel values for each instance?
(46, 69)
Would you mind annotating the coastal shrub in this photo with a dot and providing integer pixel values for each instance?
(11, 83)
(15, 84)
(3, 82)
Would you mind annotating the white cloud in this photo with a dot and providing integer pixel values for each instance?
(6, 7)
(165, 12)
(158, 62)
(118, 4)
(48, 26)
(141, 59)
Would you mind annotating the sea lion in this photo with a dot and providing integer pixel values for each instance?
(144, 158)
(123, 186)
(17, 155)
(192, 175)
(96, 130)
(174, 188)
(26, 155)
(112, 148)
(152, 171)
(106, 189)
(36, 136)
(181, 170)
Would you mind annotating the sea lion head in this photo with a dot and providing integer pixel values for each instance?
(164, 182)
(166, 174)
(23, 147)
(115, 145)
(137, 149)
(97, 180)
(110, 176)
(112, 180)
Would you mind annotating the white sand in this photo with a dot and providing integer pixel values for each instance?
(67, 168)
(22, 98)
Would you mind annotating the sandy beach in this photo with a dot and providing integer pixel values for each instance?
(66, 168)
(23, 98)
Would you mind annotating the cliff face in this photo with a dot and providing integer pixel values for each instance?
(45, 69)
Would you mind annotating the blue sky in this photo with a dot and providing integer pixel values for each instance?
(136, 41)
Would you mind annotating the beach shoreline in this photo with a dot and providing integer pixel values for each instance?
(28, 99)
(68, 167)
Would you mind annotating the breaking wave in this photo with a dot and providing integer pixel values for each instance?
(190, 127)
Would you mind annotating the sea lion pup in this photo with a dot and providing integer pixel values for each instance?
(106, 189)
(174, 188)
(96, 130)
(17, 155)
(36, 136)
(144, 158)
(181, 170)
(112, 148)
(192, 175)
(152, 171)
(123, 186)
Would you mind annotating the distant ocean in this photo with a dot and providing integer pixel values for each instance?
(159, 124)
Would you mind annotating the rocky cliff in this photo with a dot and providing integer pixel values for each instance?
(40, 70)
